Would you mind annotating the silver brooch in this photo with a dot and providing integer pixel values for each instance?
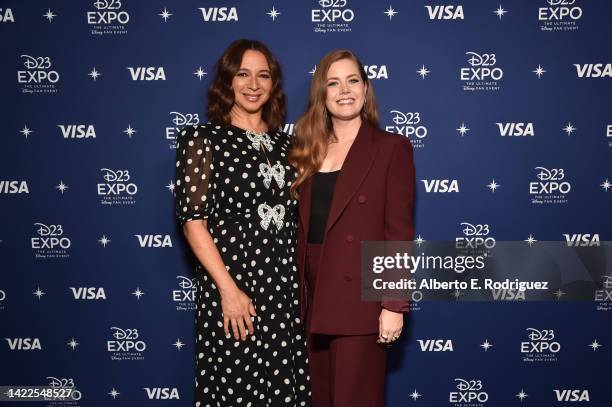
(257, 139)
(276, 171)
(271, 214)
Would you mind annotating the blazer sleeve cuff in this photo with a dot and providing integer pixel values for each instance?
(395, 306)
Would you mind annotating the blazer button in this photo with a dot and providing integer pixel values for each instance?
(348, 279)
(350, 238)
(361, 199)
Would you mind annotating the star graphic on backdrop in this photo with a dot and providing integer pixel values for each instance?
(62, 187)
(606, 185)
(138, 293)
(274, 13)
(73, 344)
(569, 129)
(313, 70)
(486, 345)
(415, 395)
(165, 15)
(39, 293)
(129, 131)
(539, 71)
(531, 240)
(419, 240)
(559, 293)
(104, 240)
(25, 131)
(462, 129)
(114, 393)
(49, 15)
(178, 344)
(94, 74)
(170, 186)
(200, 73)
(521, 395)
(500, 12)
(595, 345)
(493, 185)
(391, 12)
(457, 294)
(423, 72)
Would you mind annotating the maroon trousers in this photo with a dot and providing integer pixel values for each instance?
(345, 370)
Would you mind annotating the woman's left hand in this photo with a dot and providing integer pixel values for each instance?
(389, 326)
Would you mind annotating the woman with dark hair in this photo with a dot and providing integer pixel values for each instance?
(355, 183)
(233, 201)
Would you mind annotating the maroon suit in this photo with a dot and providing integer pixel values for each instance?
(373, 200)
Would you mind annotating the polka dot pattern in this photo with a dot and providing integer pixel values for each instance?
(242, 192)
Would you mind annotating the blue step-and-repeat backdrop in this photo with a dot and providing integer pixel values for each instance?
(507, 104)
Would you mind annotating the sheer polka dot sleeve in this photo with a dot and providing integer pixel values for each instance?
(194, 195)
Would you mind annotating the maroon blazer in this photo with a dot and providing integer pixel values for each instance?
(373, 200)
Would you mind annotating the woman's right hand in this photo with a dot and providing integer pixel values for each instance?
(237, 311)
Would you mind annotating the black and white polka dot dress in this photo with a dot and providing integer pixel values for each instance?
(239, 181)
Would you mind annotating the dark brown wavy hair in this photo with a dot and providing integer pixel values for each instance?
(314, 129)
(221, 94)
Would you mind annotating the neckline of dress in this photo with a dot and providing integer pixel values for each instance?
(249, 131)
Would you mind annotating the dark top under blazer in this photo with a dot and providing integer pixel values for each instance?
(373, 200)
(323, 185)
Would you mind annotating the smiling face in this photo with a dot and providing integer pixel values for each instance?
(252, 83)
(346, 90)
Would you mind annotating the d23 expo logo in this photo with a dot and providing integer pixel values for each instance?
(108, 18)
(408, 124)
(541, 346)
(126, 344)
(482, 74)
(178, 121)
(332, 16)
(469, 393)
(67, 384)
(117, 188)
(603, 296)
(184, 296)
(414, 303)
(559, 15)
(38, 75)
(476, 239)
(550, 188)
(50, 242)
(2, 298)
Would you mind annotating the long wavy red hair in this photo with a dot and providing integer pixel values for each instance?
(314, 130)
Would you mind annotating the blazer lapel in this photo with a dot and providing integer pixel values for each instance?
(356, 166)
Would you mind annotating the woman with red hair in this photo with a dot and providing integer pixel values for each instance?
(355, 183)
